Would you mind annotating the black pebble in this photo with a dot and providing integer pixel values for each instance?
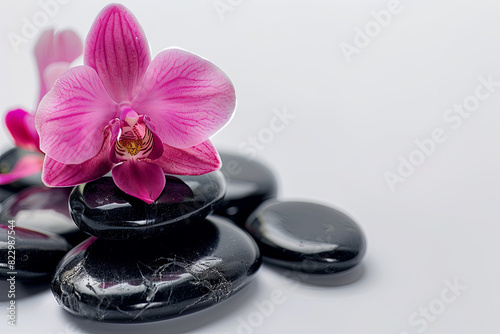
(249, 183)
(42, 208)
(101, 209)
(186, 270)
(306, 237)
(36, 254)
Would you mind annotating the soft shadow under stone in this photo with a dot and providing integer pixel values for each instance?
(42, 208)
(306, 237)
(186, 270)
(36, 254)
(101, 209)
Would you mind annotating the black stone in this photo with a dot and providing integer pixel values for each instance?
(186, 270)
(306, 237)
(101, 209)
(4, 194)
(249, 183)
(7, 162)
(45, 209)
(36, 254)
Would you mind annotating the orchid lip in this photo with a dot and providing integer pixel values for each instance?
(136, 140)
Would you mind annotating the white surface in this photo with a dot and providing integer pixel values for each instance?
(352, 122)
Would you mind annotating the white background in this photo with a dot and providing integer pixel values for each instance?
(352, 122)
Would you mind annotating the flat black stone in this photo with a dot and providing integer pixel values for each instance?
(189, 269)
(36, 254)
(45, 209)
(306, 237)
(101, 209)
(7, 162)
(249, 183)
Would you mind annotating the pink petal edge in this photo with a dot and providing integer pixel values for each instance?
(56, 174)
(21, 126)
(63, 46)
(27, 165)
(188, 98)
(141, 179)
(117, 49)
(53, 72)
(197, 160)
(72, 116)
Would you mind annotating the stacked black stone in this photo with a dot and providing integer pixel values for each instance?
(143, 262)
(33, 255)
(249, 183)
(156, 261)
(300, 236)
(44, 209)
(36, 229)
(101, 209)
(189, 269)
(153, 261)
(7, 161)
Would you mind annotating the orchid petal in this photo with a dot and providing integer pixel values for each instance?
(196, 160)
(118, 50)
(72, 116)
(64, 46)
(21, 125)
(56, 174)
(187, 97)
(140, 179)
(25, 166)
(54, 71)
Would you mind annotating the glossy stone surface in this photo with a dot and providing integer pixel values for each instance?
(7, 161)
(36, 254)
(187, 270)
(306, 237)
(249, 183)
(4, 194)
(42, 208)
(101, 209)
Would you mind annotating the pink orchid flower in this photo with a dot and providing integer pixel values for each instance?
(141, 118)
(54, 52)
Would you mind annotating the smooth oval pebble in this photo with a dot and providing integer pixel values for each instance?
(249, 183)
(7, 162)
(35, 255)
(45, 209)
(189, 269)
(306, 237)
(102, 210)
